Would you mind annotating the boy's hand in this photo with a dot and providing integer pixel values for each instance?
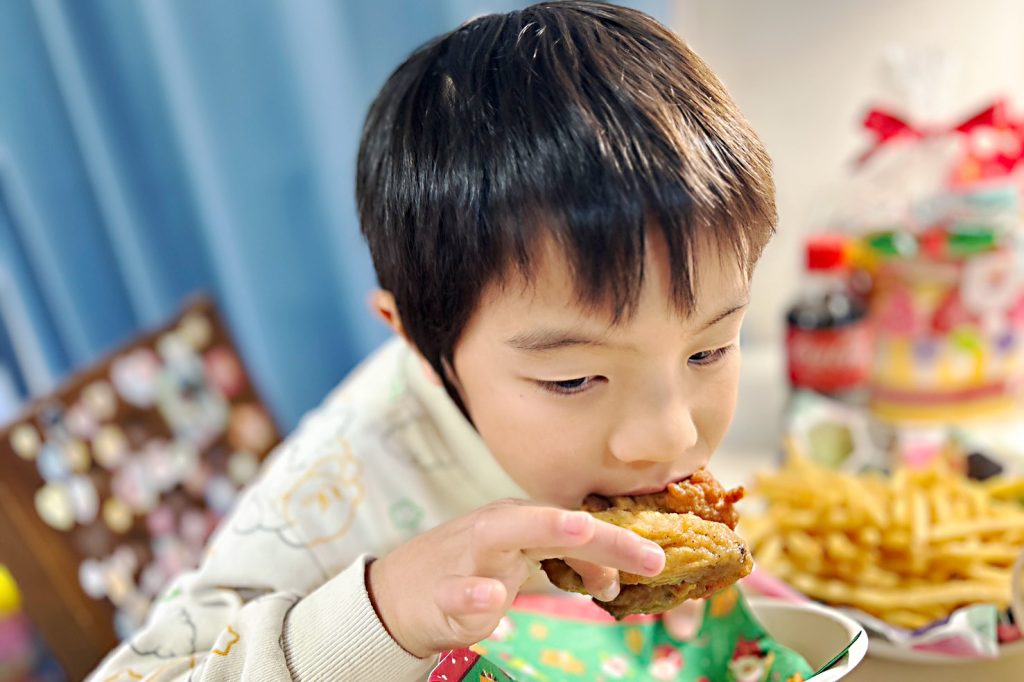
(448, 588)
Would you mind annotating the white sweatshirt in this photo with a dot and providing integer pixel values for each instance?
(281, 593)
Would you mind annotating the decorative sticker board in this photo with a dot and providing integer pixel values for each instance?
(112, 484)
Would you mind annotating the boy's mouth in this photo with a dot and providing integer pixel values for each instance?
(647, 490)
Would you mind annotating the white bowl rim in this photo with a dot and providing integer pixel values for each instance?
(856, 652)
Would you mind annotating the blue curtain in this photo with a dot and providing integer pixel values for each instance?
(151, 148)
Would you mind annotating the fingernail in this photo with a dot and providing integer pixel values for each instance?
(575, 523)
(654, 558)
(611, 591)
(482, 595)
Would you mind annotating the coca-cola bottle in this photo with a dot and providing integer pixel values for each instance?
(828, 338)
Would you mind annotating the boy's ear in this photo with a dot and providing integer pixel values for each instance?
(383, 304)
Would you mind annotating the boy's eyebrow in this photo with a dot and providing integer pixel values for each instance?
(731, 310)
(547, 339)
(543, 340)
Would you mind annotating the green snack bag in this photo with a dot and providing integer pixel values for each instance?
(554, 637)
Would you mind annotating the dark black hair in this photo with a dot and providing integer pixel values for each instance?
(584, 121)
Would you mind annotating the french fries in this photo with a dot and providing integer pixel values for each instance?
(908, 549)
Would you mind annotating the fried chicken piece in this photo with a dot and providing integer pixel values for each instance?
(637, 598)
(702, 552)
(700, 494)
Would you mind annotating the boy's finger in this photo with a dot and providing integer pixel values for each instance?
(503, 531)
(472, 606)
(614, 547)
(600, 581)
(459, 595)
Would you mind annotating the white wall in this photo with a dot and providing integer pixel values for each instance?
(804, 72)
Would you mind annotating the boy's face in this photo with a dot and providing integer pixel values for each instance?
(570, 405)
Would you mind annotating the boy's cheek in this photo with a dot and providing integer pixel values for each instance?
(537, 450)
(718, 411)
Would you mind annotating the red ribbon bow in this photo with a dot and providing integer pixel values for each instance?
(887, 127)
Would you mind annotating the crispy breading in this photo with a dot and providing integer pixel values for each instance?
(702, 552)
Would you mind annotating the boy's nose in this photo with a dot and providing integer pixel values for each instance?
(663, 435)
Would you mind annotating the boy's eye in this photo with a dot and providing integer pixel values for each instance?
(569, 386)
(709, 357)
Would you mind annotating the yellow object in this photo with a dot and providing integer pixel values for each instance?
(860, 255)
(635, 641)
(977, 410)
(563, 660)
(10, 598)
(909, 548)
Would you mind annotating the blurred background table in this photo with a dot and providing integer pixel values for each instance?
(877, 670)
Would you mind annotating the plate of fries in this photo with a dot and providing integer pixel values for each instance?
(906, 550)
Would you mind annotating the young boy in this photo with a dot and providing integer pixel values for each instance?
(564, 208)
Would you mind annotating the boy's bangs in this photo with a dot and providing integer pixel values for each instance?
(582, 121)
(602, 235)
(597, 146)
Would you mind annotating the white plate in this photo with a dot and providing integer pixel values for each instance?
(883, 648)
(816, 632)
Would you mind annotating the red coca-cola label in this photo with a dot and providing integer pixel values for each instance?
(830, 360)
